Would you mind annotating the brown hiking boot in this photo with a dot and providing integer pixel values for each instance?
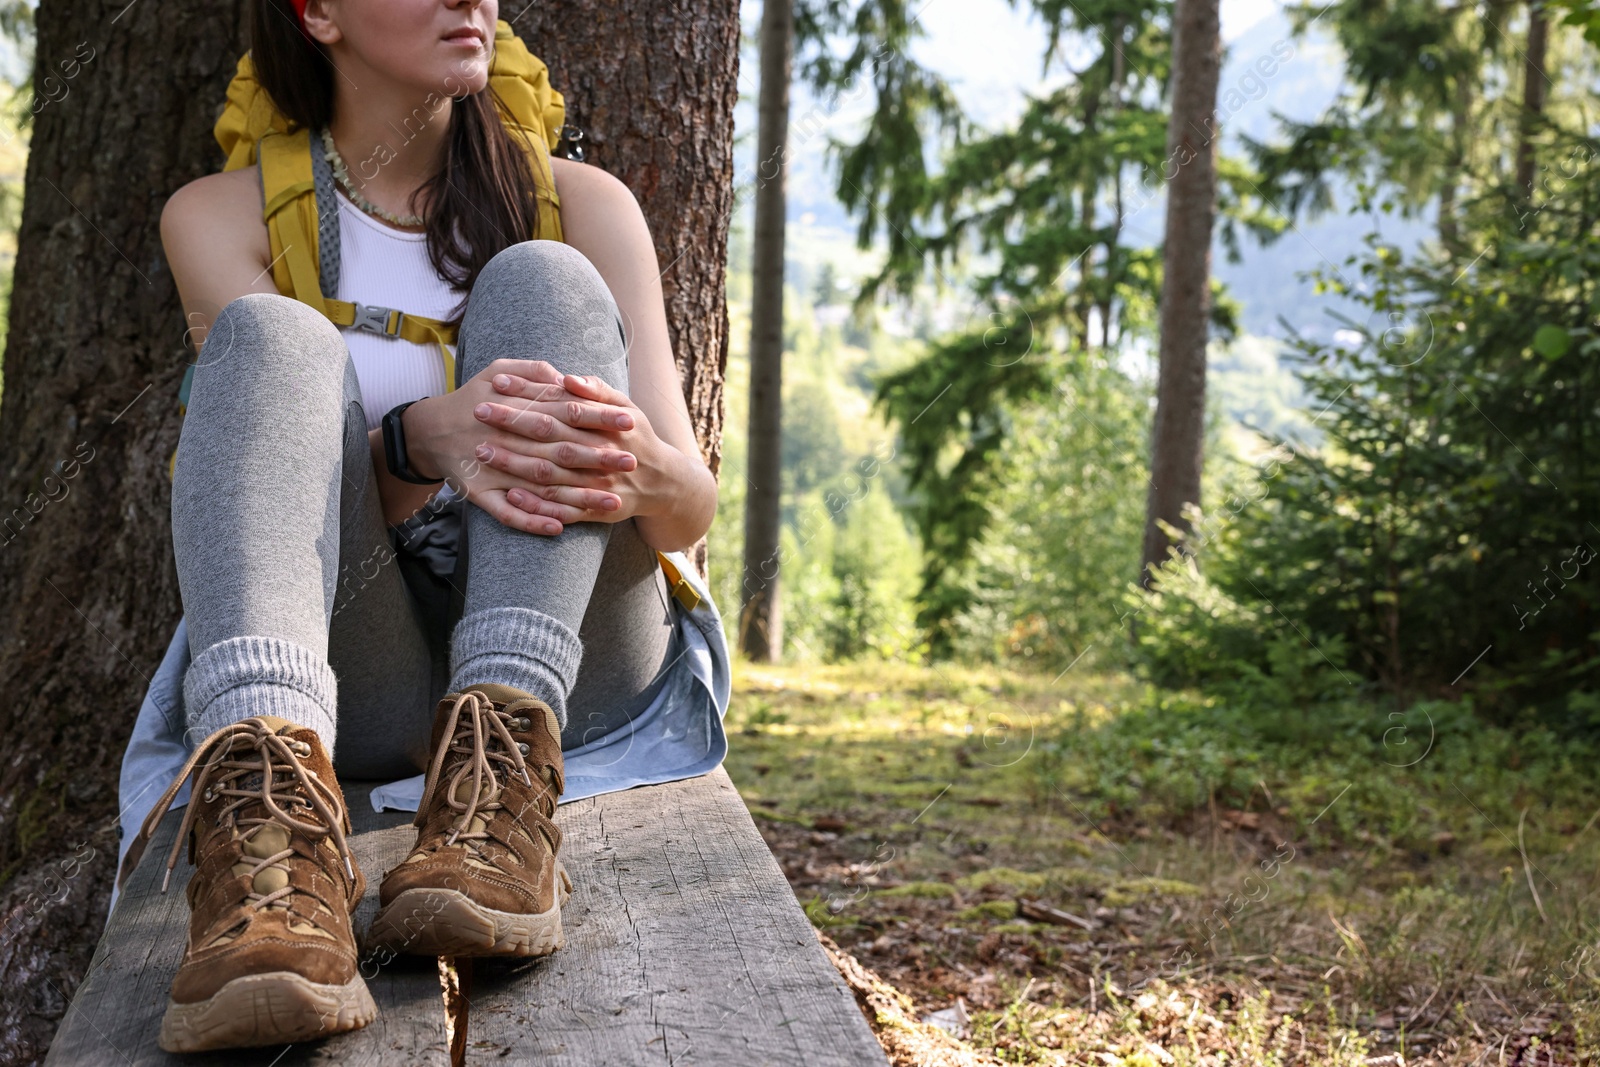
(483, 878)
(271, 956)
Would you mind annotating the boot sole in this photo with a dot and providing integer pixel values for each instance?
(267, 1009)
(447, 922)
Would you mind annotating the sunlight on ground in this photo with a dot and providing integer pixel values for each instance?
(1097, 882)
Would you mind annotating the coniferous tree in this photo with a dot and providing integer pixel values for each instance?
(761, 609)
(1424, 108)
(1177, 439)
(1049, 198)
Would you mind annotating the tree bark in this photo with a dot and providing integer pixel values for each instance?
(761, 609)
(1534, 81)
(1178, 437)
(653, 87)
(95, 351)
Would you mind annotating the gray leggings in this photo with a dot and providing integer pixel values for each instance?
(301, 603)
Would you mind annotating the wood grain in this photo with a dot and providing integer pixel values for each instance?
(684, 945)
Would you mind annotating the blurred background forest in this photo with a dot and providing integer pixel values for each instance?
(1398, 385)
(1371, 658)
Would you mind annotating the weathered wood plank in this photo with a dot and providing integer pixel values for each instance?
(684, 945)
(116, 1014)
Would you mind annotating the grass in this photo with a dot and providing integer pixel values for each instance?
(1337, 883)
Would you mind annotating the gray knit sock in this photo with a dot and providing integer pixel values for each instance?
(519, 647)
(246, 676)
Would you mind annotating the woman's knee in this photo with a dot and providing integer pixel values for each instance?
(552, 295)
(546, 271)
(273, 340)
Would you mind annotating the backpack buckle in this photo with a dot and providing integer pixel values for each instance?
(376, 318)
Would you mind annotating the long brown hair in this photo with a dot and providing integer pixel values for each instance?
(484, 197)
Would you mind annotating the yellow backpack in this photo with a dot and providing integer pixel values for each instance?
(302, 218)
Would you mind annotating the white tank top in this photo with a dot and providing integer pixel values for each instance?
(379, 264)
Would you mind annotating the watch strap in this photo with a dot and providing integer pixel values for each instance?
(394, 447)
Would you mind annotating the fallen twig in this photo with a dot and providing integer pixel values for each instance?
(1040, 912)
(1527, 868)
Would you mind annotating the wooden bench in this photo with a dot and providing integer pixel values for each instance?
(684, 946)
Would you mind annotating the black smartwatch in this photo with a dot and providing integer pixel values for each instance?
(394, 447)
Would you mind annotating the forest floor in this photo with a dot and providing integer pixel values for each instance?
(1083, 870)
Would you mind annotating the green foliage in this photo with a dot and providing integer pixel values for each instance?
(974, 393)
(848, 560)
(1415, 109)
(849, 573)
(884, 175)
(1583, 14)
(875, 564)
(1045, 581)
(1179, 752)
(1048, 202)
(1448, 520)
(813, 444)
(1043, 199)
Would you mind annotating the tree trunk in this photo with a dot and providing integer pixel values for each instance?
(761, 609)
(1119, 73)
(1534, 81)
(1178, 437)
(653, 87)
(1449, 232)
(88, 594)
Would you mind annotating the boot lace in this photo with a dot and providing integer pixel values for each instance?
(482, 750)
(223, 766)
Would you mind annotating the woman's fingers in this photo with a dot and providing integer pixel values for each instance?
(580, 414)
(587, 503)
(495, 502)
(536, 370)
(595, 388)
(514, 457)
(527, 388)
(540, 470)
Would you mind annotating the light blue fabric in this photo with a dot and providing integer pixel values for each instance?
(680, 735)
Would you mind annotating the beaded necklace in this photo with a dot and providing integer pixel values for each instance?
(341, 174)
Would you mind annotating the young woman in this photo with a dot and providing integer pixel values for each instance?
(522, 610)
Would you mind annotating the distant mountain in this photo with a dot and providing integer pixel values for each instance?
(1258, 84)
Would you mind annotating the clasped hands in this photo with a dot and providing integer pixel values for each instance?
(537, 448)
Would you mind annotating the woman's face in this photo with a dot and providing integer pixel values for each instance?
(438, 46)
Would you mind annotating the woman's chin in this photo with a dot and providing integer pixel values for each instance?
(465, 60)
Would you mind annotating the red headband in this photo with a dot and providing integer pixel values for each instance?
(300, 11)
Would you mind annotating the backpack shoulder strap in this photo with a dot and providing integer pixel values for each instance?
(328, 261)
(537, 112)
(289, 208)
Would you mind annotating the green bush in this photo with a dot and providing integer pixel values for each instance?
(1438, 540)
